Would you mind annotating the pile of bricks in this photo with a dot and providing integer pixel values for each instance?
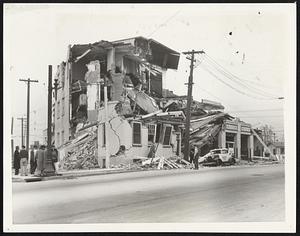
(83, 155)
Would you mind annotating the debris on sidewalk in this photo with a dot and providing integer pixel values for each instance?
(166, 163)
(82, 153)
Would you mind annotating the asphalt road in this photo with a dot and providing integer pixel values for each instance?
(239, 194)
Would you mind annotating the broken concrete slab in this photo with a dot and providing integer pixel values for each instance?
(143, 100)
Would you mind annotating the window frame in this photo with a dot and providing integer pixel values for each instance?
(163, 141)
(137, 144)
(154, 135)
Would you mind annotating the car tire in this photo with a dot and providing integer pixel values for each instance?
(232, 161)
(219, 162)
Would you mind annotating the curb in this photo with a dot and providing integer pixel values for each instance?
(74, 176)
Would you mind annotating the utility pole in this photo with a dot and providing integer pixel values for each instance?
(189, 102)
(49, 170)
(107, 155)
(28, 109)
(22, 128)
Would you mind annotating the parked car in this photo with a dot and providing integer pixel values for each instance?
(218, 157)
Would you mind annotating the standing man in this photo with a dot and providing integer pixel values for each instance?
(33, 160)
(54, 158)
(196, 158)
(40, 161)
(23, 161)
(17, 160)
(192, 153)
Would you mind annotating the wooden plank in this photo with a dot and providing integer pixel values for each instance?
(168, 164)
(171, 164)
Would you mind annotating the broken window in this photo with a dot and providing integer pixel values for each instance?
(167, 136)
(151, 132)
(102, 93)
(137, 137)
(158, 130)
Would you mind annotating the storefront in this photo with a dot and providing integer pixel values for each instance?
(237, 135)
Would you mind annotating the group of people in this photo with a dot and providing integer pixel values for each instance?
(37, 160)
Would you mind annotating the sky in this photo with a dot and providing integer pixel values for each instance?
(251, 42)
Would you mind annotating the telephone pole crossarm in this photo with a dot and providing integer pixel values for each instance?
(193, 52)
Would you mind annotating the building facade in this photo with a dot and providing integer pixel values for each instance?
(238, 135)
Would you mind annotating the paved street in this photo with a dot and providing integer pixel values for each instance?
(208, 195)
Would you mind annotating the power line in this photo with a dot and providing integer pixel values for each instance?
(170, 18)
(236, 79)
(219, 99)
(259, 116)
(275, 109)
(237, 90)
(264, 110)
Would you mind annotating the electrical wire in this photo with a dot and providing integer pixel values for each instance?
(229, 85)
(256, 110)
(235, 78)
(165, 22)
(257, 90)
(219, 99)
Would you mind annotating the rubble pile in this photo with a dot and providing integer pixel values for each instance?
(83, 154)
(166, 163)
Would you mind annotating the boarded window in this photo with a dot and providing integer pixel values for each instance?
(136, 128)
(158, 129)
(151, 132)
(167, 135)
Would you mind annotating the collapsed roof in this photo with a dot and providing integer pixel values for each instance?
(138, 47)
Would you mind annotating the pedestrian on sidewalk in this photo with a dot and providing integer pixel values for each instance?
(33, 159)
(54, 158)
(40, 161)
(192, 154)
(196, 158)
(17, 160)
(23, 161)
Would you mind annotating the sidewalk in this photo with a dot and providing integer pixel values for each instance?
(63, 174)
(71, 174)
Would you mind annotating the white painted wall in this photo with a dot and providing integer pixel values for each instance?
(120, 133)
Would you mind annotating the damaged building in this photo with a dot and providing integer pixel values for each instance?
(143, 117)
